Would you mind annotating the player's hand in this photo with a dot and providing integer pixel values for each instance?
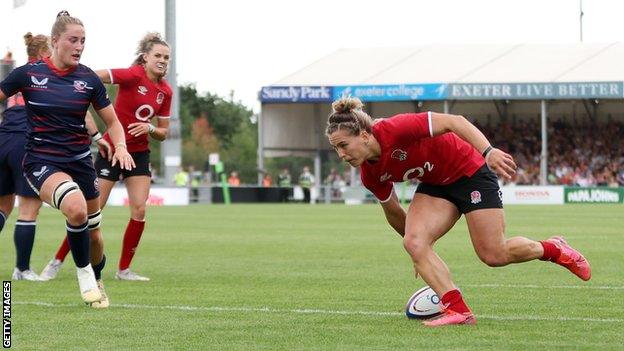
(501, 163)
(138, 128)
(105, 149)
(123, 157)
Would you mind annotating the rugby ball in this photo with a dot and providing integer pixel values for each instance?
(424, 304)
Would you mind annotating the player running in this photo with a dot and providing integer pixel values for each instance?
(143, 94)
(13, 130)
(58, 166)
(440, 150)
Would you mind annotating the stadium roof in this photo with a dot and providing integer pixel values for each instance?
(438, 63)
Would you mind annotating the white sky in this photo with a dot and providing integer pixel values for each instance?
(244, 45)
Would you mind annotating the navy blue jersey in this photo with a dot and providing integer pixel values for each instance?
(15, 116)
(56, 103)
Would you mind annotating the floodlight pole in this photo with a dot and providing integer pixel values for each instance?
(581, 18)
(171, 148)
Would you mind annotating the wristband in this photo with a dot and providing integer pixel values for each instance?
(96, 136)
(151, 128)
(487, 151)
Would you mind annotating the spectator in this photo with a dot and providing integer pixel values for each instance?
(233, 179)
(284, 181)
(267, 181)
(306, 180)
(181, 178)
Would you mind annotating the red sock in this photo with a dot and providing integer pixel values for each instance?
(453, 301)
(62, 251)
(130, 242)
(551, 251)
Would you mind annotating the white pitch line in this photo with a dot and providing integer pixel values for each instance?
(529, 286)
(318, 311)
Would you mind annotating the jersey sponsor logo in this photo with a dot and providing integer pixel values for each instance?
(39, 83)
(385, 177)
(80, 86)
(417, 172)
(475, 197)
(142, 90)
(160, 98)
(144, 113)
(41, 172)
(399, 155)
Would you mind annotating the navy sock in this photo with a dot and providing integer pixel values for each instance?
(97, 269)
(2, 220)
(24, 237)
(79, 239)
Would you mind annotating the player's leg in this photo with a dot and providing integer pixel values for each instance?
(428, 219)
(60, 191)
(138, 192)
(24, 236)
(106, 184)
(6, 206)
(98, 259)
(487, 227)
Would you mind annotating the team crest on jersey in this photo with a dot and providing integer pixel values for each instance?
(399, 155)
(160, 98)
(80, 86)
(142, 90)
(39, 83)
(475, 197)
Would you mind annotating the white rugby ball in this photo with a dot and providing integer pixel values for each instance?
(424, 304)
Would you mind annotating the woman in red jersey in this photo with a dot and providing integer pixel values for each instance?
(453, 161)
(143, 94)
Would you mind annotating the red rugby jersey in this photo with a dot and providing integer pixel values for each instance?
(138, 100)
(408, 150)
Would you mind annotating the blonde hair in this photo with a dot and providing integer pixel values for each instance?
(35, 44)
(63, 18)
(146, 44)
(348, 114)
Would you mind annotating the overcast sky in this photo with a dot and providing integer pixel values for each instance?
(244, 45)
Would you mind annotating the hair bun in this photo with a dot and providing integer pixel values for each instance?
(347, 104)
(63, 13)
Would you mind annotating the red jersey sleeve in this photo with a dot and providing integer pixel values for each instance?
(381, 190)
(165, 108)
(409, 126)
(125, 76)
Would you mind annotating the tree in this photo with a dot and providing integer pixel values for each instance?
(202, 141)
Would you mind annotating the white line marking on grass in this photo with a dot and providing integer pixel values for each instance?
(317, 311)
(588, 287)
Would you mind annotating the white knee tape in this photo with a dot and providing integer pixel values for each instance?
(62, 190)
(94, 220)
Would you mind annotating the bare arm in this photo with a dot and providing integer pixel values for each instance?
(159, 133)
(500, 162)
(395, 214)
(2, 96)
(104, 75)
(103, 146)
(116, 132)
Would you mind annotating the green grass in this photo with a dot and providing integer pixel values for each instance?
(239, 277)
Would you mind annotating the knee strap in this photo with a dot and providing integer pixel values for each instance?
(95, 219)
(62, 190)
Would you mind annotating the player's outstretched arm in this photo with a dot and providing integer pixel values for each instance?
(104, 75)
(395, 214)
(114, 128)
(499, 161)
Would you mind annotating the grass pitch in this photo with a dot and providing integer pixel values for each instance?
(324, 277)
